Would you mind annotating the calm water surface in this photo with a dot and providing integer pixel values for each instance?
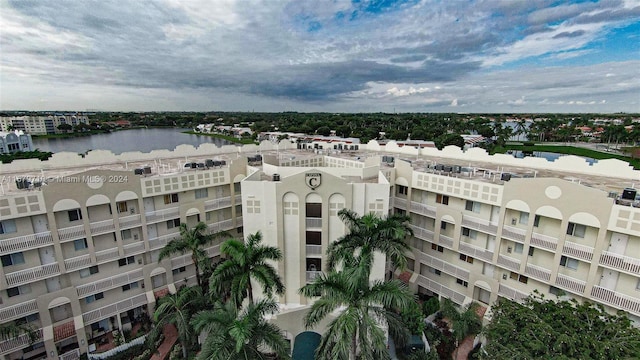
(143, 140)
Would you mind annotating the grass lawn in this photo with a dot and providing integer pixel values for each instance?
(232, 139)
(570, 150)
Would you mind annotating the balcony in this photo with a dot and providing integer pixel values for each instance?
(421, 233)
(315, 250)
(480, 225)
(78, 262)
(109, 283)
(160, 241)
(110, 310)
(64, 331)
(577, 251)
(23, 309)
(444, 267)
(71, 233)
(35, 273)
(102, 227)
(104, 256)
(400, 203)
(440, 289)
(312, 275)
(19, 342)
(543, 241)
(70, 355)
(509, 262)
(475, 251)
(571, 284)
(131, 221)
(219, 203)
(422, 209)
(213, 251)
(620, 262)
(624, 302)
(537, 272)
(224, 225)
(25, 242)
(181, 261)
(446, 241)
(238, 199)
(162, 215)
(315, 223)
(511, 293)
(134, 249)
(514, 233)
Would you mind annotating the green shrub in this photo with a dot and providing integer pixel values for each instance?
(430, 306)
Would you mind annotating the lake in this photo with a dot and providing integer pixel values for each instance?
(550, 156)
(143, 140)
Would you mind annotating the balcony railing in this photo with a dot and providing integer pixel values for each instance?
(19, 310)
(160, 241)
(445, 241)
(423, 209)
(400, 203)
(70, 355)
(624, 302)
(620, 262)
(511, 293)
(64, 331)
(131, 221)
(480, 224)
(134, 249)
(213, 251)
(514, 233)
(71, 233)
(19, 342)
(238, 199)
(537, 272)
(475, 251)
(32, 274)
(162, 215)
(217, 203)
(509, 262)
(444, 266)
(421, 233)
(313, 222)
(110, 310)
(571, 284)
(25, 242)
(312, 275)
(544, 241)
(578, 251)
(78, 262)
(102, 227)
(438, 288)
(314, 249)
(181, 261)
(104, 256)
(110, 283)
(224, 225)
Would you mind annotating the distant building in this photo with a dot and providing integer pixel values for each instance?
(14, 141)
(42, 125)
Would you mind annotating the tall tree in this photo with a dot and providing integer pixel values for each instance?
(235, 334)
(540, 328)
(463, 323)
(11, 330)
(178, 309)
(191, 240)
(246, 261)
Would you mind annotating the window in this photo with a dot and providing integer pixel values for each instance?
(576, 230)
(536, 221)
(202, 193)
(442, 199)
(313, 210)
(173, 223)
(443, 225)
(8, 227)
(127, 261)
(170, 198)
(515, 276)
(517, 248)
(569, 263)
(434, 271)
(472, 206)
(179, 270)
(437, 248)
(466, 258)
(524, 218)
(126, 234)
(122, 207)
(75, 215)
(91, 298)
(469, 233)
(12, 259)
(236, 188)
(531, 249)
(638, 285)
(555, 291)
(402, 190)
(89, 271)
(127, 287)
(80, 244)
(462, 282)
(19, 290)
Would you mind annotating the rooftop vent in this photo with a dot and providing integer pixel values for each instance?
(276, 177)
(629, 194)
(505, 177)
(138, 171)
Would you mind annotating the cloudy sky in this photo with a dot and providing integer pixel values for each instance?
(321, 55)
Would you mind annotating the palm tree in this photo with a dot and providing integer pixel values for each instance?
(192, 240)
(10, 330)
(234, 334)
(246, 261)
(178, 309)
(356, 332)
(368, 234)
(463, 323)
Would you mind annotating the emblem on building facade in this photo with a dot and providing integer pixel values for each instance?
(313, 180)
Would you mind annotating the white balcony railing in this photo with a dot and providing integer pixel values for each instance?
(224, 225)
(422, 233)
(70, 355)
(509, 262)
(624, 302)
(35, 273)
(112, 309)
(511, 293)
(314, 249)
(25, 242)
(71, 233)
(181, 261)
(131, 221)
(571, 284)
(19, 310)
(102, 227)
(444, 266)
(537, 272)
(78, 262)
(423, 209)
(400, 203)
(213, 251)
(475, 251)
(311, 275)
(104, 256)
(445, 241)
(134, 248)
(483, 225)
(238, 199)
(19, 342)
(313, 222)
(162, 215)
(160, 241)
(438, 288)
(544, 241)
(620, 262)
(514, 233)
(577, 251)
(110, 283)
(219, 203)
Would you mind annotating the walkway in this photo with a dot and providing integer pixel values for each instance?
(465, 348)
(170, 337)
